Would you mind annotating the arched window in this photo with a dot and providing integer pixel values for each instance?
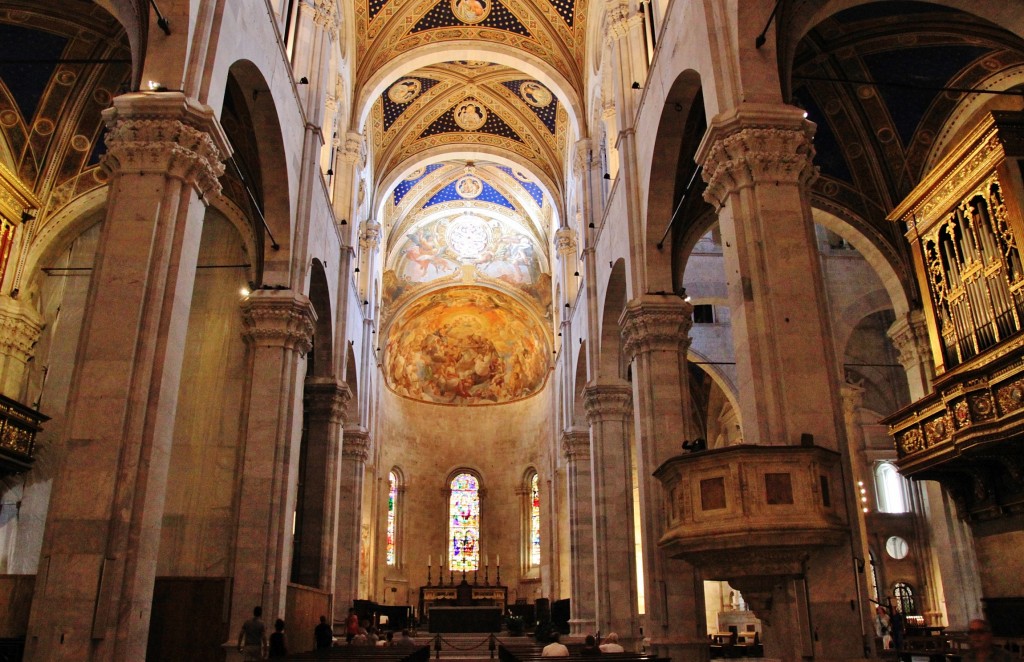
(464, 523)
(530, 500)
(904, 596)
(392, 541)
(890, 489)
(535, 520)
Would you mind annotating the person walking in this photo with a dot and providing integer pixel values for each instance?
(278, 643)
(252, 638)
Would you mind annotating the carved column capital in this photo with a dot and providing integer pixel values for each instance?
(355, 444)
(20, 326)
(576, 445)
(166, 133)
(909, 334)
(369, 236)
(278, 318)
(853, 399)
(581, 155)
(326, 398)
(352, 149)
(621, 19)
(324, 15)
(756, 144)
(608, 401)
(656, 322)
(565, 241)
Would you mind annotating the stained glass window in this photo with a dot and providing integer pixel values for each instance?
(464, 523)
(535, 521)
(392, 505)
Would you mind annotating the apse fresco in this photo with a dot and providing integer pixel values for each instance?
(466, 346)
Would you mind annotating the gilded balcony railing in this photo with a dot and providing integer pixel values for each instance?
(18, 428)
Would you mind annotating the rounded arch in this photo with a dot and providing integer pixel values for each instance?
(880, 263)
(476, 153)
(610, 359)
(446, 51)
(321, 361)
(579, 412)
(59, 230)
(673, 172)
(263, 155)
(352, 417)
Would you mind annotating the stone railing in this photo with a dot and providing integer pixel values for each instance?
(727, 506)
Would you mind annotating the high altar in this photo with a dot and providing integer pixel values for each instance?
(463, 607)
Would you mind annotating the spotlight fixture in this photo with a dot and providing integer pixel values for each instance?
(330, 172)
(635, 85)
(303, 81)
(357, 270)
(567, 304)
(26, 216)
(366, 302)
(576, 274)
(591, 225)
(344, 222)
(607, 176)
(559, 334)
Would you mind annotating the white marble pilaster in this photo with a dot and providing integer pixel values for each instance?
(94, 589)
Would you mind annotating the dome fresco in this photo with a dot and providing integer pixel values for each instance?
(466, 346)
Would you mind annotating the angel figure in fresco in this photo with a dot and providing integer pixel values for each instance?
(423, 253)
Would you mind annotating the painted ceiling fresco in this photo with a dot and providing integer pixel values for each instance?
(469, 103)
(466, 346)
(552, 30)
(480, 224)
(50, 105)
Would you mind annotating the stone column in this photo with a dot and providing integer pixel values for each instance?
(609, 406)
(20, 326)
(757, 162)
(655, 333)
(354, 451)
(956, 577)
(325, 401)
(94, 589)
(576, 446)
(565, 247)
(278, 331)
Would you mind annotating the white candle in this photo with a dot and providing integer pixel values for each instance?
(486, 559)
(429, 560)
(497, 559)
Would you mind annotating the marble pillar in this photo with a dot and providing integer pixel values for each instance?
(757, 162)
(956, 577)
(354, 452)
(655, 334)
(94, 588)
(325, 401)
(278, 330)
(576, 447)
(609, 409)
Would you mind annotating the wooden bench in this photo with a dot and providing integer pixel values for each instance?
(367, 654)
